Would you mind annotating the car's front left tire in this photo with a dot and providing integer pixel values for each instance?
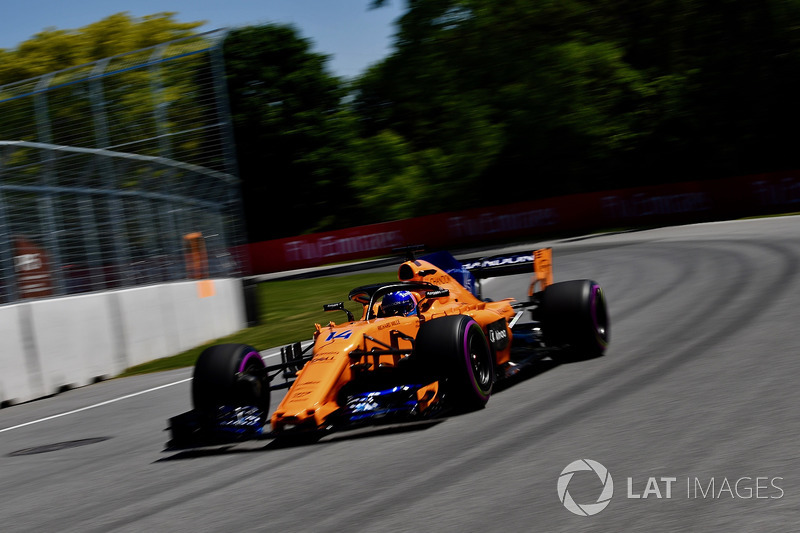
(229, 375)
(455, 347)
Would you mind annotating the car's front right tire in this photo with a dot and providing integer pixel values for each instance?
(574, 314)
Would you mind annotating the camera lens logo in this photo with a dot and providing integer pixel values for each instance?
(587, 509)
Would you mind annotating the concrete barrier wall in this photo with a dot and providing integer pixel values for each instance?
(49, 345)
(19, 375)
(73, 341)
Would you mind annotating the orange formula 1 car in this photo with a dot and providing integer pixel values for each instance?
(423, 344)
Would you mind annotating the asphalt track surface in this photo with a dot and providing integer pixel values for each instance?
(699, 385)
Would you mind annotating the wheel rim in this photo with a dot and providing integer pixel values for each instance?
(481, 366)
(248, 368)
(250, 362)
(599, 315)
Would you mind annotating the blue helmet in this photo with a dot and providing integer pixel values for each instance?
(400, 303)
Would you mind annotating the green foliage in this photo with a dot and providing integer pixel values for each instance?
(56, 49)
(586, 95)
(508, 91)
(290, 128)
(391, 181)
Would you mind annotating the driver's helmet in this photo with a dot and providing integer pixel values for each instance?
(399, 303)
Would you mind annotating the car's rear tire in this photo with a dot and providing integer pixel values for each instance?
(574, 314)
(228, 374)
(455, 347)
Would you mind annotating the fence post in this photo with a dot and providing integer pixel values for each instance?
(48, 227)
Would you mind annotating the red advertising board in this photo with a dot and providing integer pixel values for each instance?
(676, 203)
(32, 269)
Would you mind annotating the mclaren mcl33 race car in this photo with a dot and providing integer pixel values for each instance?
(422, 346)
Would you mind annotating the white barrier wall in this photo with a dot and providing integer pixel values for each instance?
(73, 340)
(50, 345)
(19, 375)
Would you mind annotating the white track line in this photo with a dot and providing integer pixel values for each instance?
(127, 396)
(101, 404)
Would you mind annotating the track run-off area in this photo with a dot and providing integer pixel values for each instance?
(692, 412)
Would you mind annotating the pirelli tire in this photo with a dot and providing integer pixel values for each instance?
(228, 375)
(456, 349)
(574, 314)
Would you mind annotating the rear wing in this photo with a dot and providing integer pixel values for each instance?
(470, 272)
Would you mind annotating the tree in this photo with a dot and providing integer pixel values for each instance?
(291, 132)
(518, 95)
(587, 95)
(54, 49)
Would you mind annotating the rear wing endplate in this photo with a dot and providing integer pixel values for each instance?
(542, 270)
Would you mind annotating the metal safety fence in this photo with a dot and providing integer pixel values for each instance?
(119, 173)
